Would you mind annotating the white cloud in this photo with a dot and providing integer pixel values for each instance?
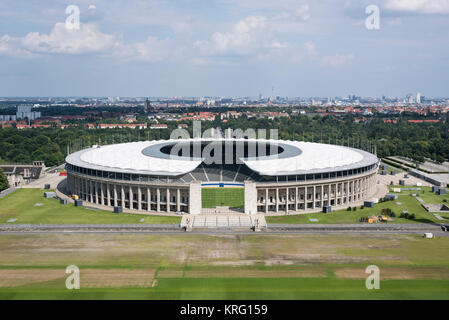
(248, 36)
(419, 6)
(9, 46)
(258, 37)
(87, 40)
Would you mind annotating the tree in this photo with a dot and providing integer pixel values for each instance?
(3, 181)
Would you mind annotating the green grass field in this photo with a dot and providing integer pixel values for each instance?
(230, 197)
(407, 203)
(21, 205)
(246, 289)
(223, 267)
(343, 216)
(430, 197)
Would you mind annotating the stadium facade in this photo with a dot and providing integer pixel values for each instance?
(278, 177)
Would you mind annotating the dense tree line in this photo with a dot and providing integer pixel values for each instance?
(418, 141)
(3, 181)
(414, 140)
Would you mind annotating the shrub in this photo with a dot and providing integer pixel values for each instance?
(349, 209)
(354, 209)
(407, 215)
(362, 207)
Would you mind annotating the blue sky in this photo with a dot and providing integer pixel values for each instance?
(224, 48)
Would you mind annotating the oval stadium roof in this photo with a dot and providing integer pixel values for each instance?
(299, 158)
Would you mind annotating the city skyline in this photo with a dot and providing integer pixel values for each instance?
(223, 48)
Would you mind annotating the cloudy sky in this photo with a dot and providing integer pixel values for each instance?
(224, 48)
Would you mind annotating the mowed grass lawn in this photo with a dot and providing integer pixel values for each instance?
(229, 197)
(243, 289)
(188, 266)
(405, 202)
(428, 196)
(21, 205)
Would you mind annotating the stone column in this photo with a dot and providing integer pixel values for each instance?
(313, 197)
(139, 199)
(108, 197)
(123, 195)
(286, 200)
(296, 198)
(341, 192)
(322, 195)
(91, 196)
(277, 200)
(101, 194)
(266, 200)
(168, 200)
(347, 192)
(158, 200)
(131, 198)
(148, 199)
(115, 196)
(178, 199)
(335, 194)
(353, 190)
(96, 192)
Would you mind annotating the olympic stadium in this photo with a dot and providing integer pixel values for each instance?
(276, 176)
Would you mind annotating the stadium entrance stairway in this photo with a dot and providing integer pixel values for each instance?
(209, 221)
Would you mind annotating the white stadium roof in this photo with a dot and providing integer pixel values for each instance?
(310, 158)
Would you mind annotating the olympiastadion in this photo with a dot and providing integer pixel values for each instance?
(167, 176)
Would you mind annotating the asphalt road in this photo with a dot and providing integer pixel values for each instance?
(356, 229)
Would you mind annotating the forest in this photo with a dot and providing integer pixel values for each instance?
(414, 140)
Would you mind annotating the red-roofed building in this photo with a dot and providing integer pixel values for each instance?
(22, 126)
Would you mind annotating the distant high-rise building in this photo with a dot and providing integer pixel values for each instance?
(25, 112)
(418, 97)
(147, 105)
